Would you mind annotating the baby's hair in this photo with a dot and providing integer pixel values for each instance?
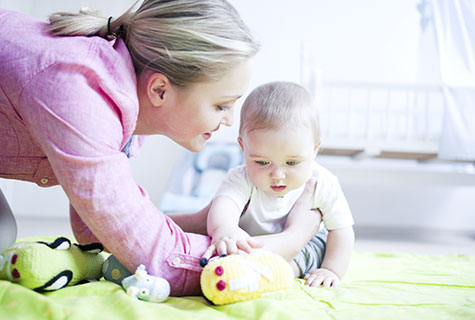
(189, 41)
(277, 105)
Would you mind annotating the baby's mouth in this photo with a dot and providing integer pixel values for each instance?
(278, 188)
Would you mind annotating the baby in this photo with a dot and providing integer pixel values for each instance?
(279, 136)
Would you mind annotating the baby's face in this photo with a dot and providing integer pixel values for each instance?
(279, 160)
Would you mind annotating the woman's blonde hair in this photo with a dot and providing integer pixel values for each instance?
(187, 40)
(276, 105)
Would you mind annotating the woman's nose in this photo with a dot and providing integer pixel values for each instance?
(228, 118)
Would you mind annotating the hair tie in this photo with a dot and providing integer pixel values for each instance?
(109, 26)
(111, 35)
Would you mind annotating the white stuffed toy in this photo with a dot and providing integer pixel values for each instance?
(145, 287)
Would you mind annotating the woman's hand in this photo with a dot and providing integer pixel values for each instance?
(230, 240)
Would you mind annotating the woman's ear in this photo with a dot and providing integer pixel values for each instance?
(157, 86)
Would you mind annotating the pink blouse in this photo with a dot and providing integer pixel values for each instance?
(68, 106)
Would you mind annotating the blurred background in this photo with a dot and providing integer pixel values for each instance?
(395, 84)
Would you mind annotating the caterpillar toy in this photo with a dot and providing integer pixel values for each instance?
(236, 278)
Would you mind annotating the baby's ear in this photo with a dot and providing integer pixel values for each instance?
(239, 140)
(317, 146)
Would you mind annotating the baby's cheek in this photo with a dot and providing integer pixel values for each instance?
(260, 179)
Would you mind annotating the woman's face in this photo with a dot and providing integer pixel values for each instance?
(190, 116)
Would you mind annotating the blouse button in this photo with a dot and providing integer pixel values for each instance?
(176, 261)
(44, 180)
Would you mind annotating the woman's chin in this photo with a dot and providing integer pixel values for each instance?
(196, 145)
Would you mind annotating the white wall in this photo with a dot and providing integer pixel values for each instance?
(360, 41)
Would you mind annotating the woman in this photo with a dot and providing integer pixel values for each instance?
(78, 95)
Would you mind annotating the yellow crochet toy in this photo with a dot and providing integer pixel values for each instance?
(236, 278)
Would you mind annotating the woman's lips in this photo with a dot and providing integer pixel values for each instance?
(278, 188)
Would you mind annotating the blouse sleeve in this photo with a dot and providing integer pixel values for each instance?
(79, 127)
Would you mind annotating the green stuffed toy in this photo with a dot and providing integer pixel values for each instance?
(43, 266)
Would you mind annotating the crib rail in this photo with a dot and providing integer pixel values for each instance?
(380, 120)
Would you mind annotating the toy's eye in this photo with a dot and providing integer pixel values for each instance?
(14, 258)
(15, 274)
(219, 270)
(148, 279)
(221, 285)
(203, 262)
(144, 292)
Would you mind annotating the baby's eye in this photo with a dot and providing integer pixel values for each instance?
(262, 163)
(292, 163)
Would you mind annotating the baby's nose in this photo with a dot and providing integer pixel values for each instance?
(277, 173)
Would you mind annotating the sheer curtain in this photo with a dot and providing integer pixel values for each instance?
(455, 32)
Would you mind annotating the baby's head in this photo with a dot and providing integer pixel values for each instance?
(279, 134)
(279, 104)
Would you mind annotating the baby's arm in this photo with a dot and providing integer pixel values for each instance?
(337, 258)
(301, 225)
(222, 224)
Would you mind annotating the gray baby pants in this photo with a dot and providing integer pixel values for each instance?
(311, 256)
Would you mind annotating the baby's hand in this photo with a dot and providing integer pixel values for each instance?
(230, 240)
(322, 277)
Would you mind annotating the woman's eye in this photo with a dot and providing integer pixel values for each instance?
(262, 163)
(223, 107)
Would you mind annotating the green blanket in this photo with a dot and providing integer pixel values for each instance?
(377, 286)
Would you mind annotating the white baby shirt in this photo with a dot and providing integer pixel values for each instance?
(266, 214)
